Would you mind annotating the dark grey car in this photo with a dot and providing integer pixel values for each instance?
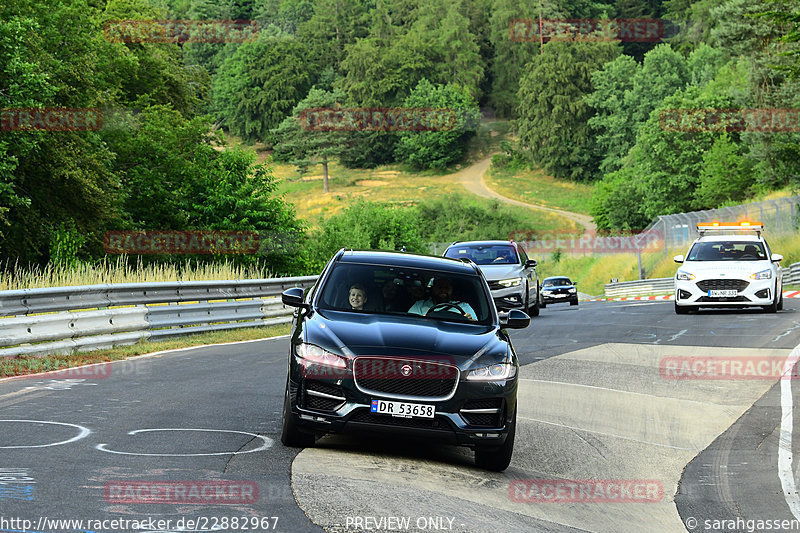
(557, 289)
(510, 273)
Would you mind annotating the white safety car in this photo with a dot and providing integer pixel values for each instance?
(729, 265)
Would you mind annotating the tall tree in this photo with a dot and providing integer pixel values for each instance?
(457, 53)
(553, 115)
(257, 87)
(334, 25)
(305, 147)
(613, 122)
(439, 148)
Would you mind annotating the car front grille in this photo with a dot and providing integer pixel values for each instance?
(708, 299)
(364, 416)
(405, 378)
(722, 284)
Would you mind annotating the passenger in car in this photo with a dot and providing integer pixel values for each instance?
(357, 296)
(441, 292)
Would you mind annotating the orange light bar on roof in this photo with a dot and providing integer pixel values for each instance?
(745, 225)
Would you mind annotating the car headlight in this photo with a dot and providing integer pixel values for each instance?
(764, 274)
(494, 372)
(314, 354)
(548, 293)
(513, 282)
(572, 290)
(684, 276)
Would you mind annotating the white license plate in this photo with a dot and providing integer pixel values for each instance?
(723, 294)
(559, 295)
(403, 409)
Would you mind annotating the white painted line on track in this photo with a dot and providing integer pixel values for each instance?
(83, 432)
(266, 443)
(681, 332)
(575, 428)
(785, 471)
(788, 331)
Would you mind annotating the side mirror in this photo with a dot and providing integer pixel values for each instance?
(678, 259)
(575, 283)
(531, 263)
(777, 258)
(515, 319)
(294, 298)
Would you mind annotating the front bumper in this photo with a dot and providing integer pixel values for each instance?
(560, 297)
(509, 298)
(451, 423)
(756, 293)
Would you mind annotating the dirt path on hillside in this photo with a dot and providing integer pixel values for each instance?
(472, 179)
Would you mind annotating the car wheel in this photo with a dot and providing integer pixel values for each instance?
(681, 310)
(773, 307)
(573, 302)
(780, 302)
(290, 435)
(497, 458)
(534, 310)
(542, 305)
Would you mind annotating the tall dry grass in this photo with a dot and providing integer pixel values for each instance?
(118, 270)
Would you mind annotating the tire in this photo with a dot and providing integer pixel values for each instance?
(780, 302)
(773, 307)
(497, 458)
(681, 310)
(573, 302)
(534, 310)
(291, 436)
(542, 305)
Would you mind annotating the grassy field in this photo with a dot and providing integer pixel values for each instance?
(536, 187)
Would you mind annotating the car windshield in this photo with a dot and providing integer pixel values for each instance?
(427, 294)
(727, 251)
(560, 282)
(490, 254)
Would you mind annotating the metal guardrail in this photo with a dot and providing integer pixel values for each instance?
(791, 275)
(646, 287)
(643, 287)
(58, 320)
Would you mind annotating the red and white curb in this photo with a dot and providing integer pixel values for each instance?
(666, 297)
(786, 294)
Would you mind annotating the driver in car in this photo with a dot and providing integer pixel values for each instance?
(441, 296)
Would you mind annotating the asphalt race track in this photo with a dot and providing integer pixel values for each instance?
(618, 430)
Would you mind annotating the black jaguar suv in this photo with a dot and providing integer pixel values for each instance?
(410, 344)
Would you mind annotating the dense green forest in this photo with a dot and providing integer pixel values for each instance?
(586, 110)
